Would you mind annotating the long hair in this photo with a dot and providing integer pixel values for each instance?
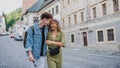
(58, 25)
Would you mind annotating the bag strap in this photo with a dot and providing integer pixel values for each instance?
(25, 36)
(32, 27)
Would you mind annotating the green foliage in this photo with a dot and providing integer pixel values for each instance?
(13, 17)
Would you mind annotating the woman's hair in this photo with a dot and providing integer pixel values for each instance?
(58, 25)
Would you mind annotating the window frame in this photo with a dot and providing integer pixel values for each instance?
(49, 11)
(0, 19)
(107, 35)
(57, 9)
(104, 12)
(63, 23)
(69, 20)
(35, 18)
(75, 18)
(53, 12)
(94, 12)
(98, 37)
(82, 16)
(71, 38)
(116, 6)
(68, 2)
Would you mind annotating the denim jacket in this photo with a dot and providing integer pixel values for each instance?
(34, 43)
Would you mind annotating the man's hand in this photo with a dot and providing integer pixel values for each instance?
(30, 56)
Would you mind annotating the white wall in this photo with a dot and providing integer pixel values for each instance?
(3, 26)
(28, 18)
(75, 7)
(49, 7)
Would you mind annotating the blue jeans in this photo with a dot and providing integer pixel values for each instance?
(41, 62)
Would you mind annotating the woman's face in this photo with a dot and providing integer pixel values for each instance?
(53, 25)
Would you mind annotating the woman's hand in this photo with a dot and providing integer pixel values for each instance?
(49, 42)
(53, 42)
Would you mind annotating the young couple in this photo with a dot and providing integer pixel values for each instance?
(47, 35)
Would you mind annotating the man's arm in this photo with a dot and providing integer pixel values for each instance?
(29, 44)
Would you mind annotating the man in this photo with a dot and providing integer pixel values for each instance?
(34, 47)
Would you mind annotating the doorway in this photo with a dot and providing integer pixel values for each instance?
(85, 39)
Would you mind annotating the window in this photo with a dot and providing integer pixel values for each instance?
(63, 23)
(69, 20)
(94, 12)
(110, 35)
(63, 2)
(0, 19)
(68, 2)
(74, 0)
(57, 9)
(82, 16)
(53, 11)
(35, 19)
(100, 36)
(72, 38)
(49, 11)
(75, 19)
(104, 7)
(116, 5)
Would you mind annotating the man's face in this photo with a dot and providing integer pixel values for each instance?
(47, 21)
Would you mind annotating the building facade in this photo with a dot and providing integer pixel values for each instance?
(51, 6)
(17, 28)
(27, 4)
(33, 13)
(27, 17)
(2, 24)
(91, 22)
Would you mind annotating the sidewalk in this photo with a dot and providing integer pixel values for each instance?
(94, 50)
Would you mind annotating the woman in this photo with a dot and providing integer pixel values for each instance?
(55, 39)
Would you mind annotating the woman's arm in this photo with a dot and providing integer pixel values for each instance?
(61, 43)
(53, 42)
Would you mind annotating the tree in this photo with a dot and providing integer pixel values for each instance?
(13, 17)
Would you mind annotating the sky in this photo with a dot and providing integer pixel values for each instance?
(8, 6)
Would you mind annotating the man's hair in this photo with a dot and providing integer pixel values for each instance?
(46, 15)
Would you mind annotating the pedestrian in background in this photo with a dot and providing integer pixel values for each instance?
(35, 44)
(55, 40)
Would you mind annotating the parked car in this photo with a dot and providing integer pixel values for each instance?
(18, 38)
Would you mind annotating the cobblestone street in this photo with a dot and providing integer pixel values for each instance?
(12, 55)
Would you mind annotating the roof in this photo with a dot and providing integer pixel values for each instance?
(45, 4)
(40, 4)
(36, 6)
